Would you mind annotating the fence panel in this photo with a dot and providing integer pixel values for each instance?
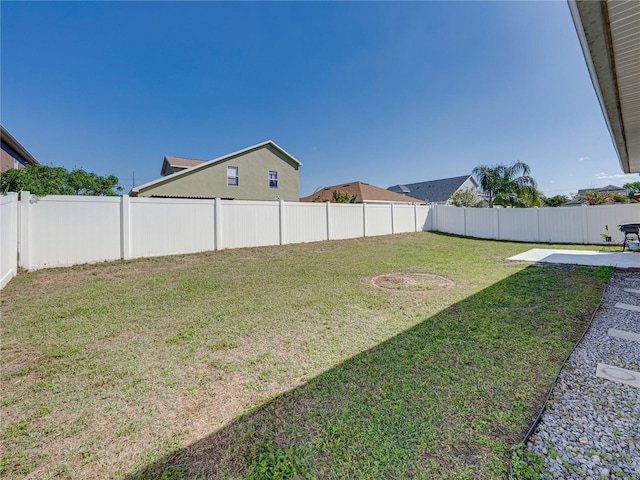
(561, 224)
(305, 222)
(612, 215)
(450, 219)
(346, 221)
(425, 215)
(169, 226)
(8, 237)
(249, 224)
(67, 230)
(404, 219)
(482, 222)
(519, 224)
(378, 218)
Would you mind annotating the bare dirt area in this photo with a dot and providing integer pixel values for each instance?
(412, 282)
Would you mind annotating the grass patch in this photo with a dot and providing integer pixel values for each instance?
(286, 362)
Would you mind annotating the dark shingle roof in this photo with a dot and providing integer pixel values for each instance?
(432, 191)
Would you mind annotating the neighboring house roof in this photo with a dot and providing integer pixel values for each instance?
(363, 193)
(205, 163)
(609, 34)
(607, 189)
(435, 190)
(12, 149)
(178, 163)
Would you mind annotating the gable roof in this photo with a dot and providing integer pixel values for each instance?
(433, 190)
(363, 193)
(178, 162)
(206, 163)
(15, 149)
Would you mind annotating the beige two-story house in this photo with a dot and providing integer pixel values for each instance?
(261, 172)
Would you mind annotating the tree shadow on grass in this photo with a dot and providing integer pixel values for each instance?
(444, 399)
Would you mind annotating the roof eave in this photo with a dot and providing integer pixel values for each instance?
(17, 147)
(593, 27)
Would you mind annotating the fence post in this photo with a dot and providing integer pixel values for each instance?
(364, 219)
(24, 253)
(464, 220)
(585, 225)
(217, 234)
(9, 238)
(125, 225)
(328, 211)
(415, 217)
(282, 220)
(393, 227)
(434, 220)
(537, 224)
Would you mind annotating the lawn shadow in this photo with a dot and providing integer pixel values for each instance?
(445, 399)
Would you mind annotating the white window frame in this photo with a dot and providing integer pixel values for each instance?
(233, 176)
(274, 178)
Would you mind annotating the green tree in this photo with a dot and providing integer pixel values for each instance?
(598, 198)
(633, 188)
(44, 180)
(464, 198)
(343, 197)
(555, 201)
(508, 185)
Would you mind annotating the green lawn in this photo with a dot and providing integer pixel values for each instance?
(285, 362)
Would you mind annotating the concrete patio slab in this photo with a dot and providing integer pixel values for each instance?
(624, 334)
(581, 257)
(619, 375)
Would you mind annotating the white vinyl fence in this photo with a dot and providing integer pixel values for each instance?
(545, 225)
(65, 230)
(8, 237)
(62, 230)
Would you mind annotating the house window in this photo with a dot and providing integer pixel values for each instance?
(273, 179)
(232, 176)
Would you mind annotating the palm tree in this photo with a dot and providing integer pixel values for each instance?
(507, 185)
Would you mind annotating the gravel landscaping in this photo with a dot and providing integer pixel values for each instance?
(591, 427)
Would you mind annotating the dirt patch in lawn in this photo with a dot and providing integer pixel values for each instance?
(411, 282)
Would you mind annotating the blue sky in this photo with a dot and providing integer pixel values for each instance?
(381, 92)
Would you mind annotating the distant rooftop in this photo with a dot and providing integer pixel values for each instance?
(434, 190)
(13, 151)
(363, 192)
